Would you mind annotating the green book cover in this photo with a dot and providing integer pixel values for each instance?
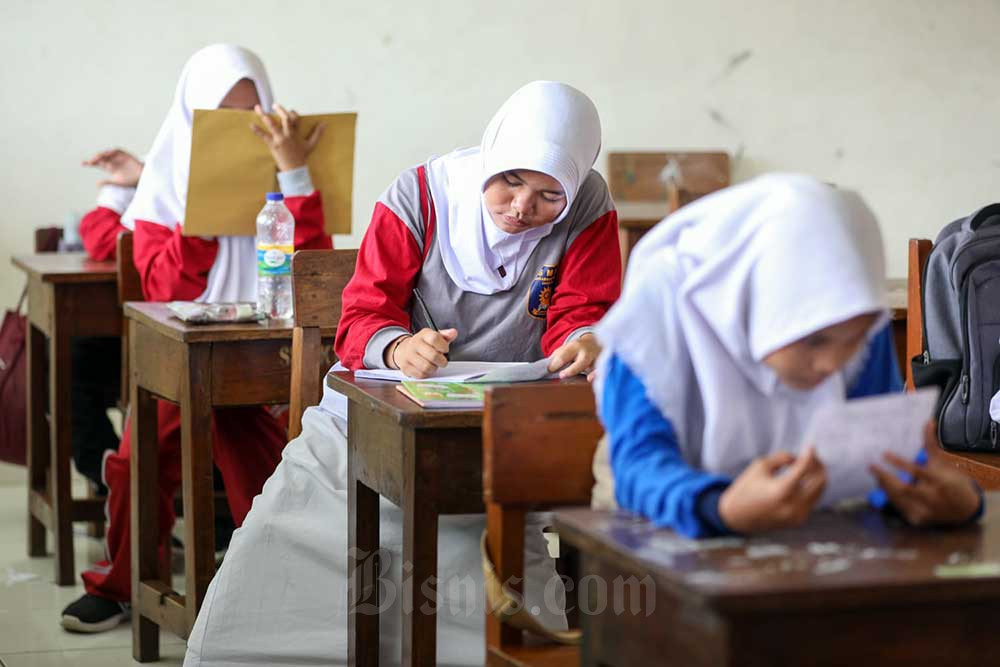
(443, 394)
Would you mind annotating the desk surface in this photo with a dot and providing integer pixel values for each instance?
(837, 558)
(160, 318)
(66, 267)
(382, 397)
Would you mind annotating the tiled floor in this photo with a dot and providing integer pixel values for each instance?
(30, 634)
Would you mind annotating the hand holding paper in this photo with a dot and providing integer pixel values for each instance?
(850, 437)
(282, 137)
(232, 169)
(936, 493)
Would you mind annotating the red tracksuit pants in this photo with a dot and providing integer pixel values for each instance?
(246, 445)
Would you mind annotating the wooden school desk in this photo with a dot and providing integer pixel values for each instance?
(845, 589)
(426, 462)
(198, 367)
(69, 295)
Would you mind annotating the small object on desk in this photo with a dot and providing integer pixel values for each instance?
(448, 395)
(851, 436)
(208, 313)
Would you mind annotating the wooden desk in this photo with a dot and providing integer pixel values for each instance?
(428, 463)
(843, 589)
(199, 367)
(68, 296)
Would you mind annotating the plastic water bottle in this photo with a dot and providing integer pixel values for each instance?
(275, 244)
(71, 241)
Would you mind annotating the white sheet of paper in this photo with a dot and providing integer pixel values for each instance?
(850, 436)
(471, 371)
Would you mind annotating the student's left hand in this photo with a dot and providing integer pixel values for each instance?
(940, 494)
(282, 137)
(123, 168)
(579, 354)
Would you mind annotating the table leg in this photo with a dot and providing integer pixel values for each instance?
(61, 434)
(38, 435)
(197, 474)
(420, 536)
(363, 567)
(145, 517)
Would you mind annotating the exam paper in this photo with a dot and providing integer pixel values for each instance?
(471, 371)
(850, 436)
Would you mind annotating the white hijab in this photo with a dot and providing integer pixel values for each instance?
(725, 281)
(162, 191)
(545, 126)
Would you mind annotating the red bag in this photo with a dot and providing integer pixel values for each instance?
(13, 386)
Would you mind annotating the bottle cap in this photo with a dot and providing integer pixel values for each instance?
(275, 196)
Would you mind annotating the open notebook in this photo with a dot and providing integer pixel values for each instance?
(471, 371)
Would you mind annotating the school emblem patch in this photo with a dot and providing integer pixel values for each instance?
(540, 292)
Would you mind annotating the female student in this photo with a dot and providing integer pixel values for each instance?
(247, 441)
(757, 306)
(512, 246)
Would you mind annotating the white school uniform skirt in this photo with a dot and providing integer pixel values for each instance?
(280, 597)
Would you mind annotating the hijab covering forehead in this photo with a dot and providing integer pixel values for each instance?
(724, 282)
(162, 191)
(545, 126)
(205, 80)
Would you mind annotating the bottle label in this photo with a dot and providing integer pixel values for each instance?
(274, 260)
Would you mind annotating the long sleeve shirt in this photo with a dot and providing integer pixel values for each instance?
(651, 476)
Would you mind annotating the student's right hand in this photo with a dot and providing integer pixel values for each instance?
(420, 355)
(123, 168)
(776, 491)
(282, 137)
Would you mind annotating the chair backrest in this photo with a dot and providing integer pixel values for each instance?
(538, 448)
(538, 444)
(318, 280)
(47, 239)
(129, 289)
(919, 251)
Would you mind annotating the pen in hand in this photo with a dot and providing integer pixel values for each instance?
(426, 313)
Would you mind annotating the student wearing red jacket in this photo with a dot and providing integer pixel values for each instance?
(513, 248)
(247, 442)
(97, 361)
(100, 227)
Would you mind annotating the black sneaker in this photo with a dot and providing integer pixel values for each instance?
(91, 613)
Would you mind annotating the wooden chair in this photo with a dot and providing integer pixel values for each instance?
(47, 239)
(984, 468)
(318, 279)
(129, 289)
(538, 447)
(647, 186)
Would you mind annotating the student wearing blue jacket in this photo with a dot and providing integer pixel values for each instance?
(741, 315)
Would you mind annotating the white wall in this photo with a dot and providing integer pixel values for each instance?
(899, 99)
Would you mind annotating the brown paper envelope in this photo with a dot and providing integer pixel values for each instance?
(232, 170)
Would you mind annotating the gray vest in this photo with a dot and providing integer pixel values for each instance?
(508, 325)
